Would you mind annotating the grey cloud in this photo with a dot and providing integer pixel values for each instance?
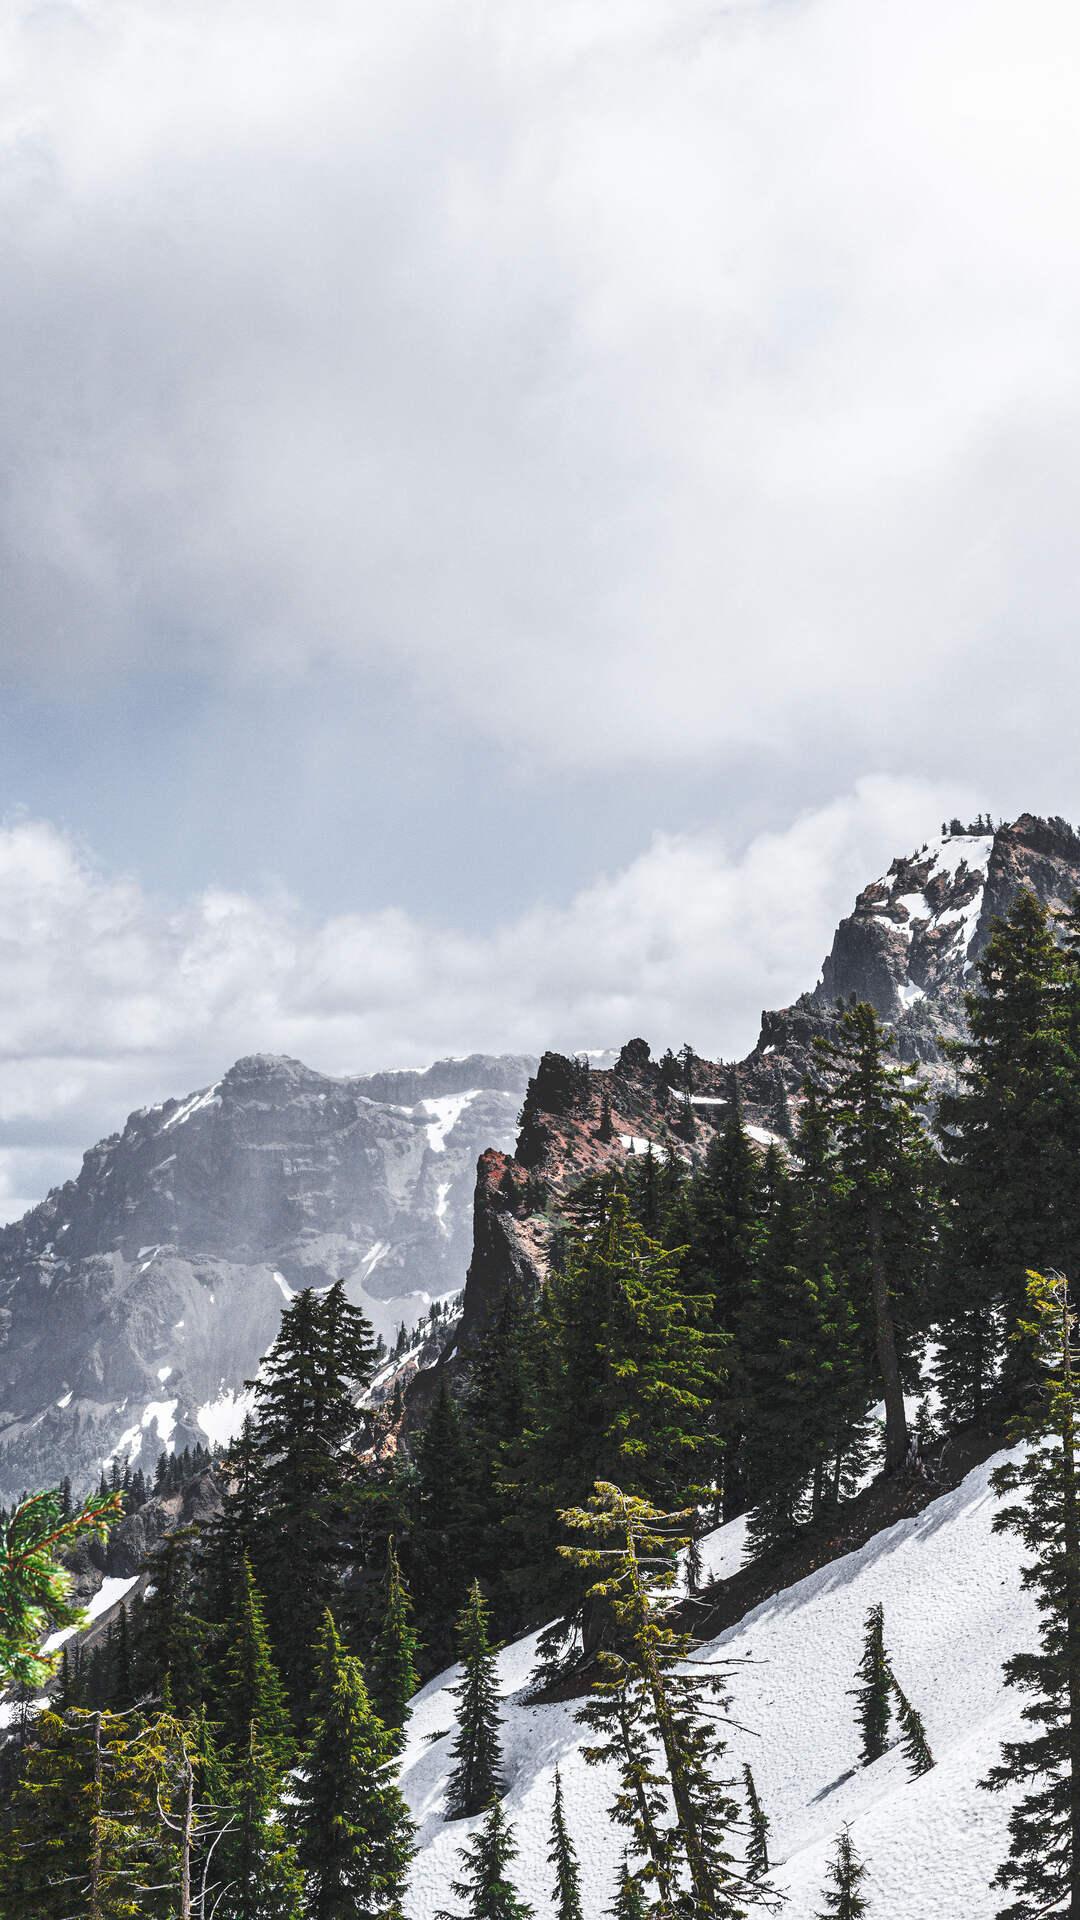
(649, 384)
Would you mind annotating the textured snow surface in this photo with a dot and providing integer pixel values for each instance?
(953, 1613)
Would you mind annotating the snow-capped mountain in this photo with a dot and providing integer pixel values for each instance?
(136, 1299)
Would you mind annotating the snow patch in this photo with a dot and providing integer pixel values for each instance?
(222, 1419)
(372, 1257)
(111, 1590)
(286, 1291)
(163, 1373)
(65, 1398)
(162, 1415)
(445, 1114)
(909, 993)
(192, 1106)
(634, 1143)
(441, 1191)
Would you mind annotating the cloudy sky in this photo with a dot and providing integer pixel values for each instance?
(509, 513)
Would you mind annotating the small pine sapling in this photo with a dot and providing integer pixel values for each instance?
(757, 1845)
(874, 1704)
(842, 1898)
(393, 1675)
(486, 1888)
(630, 1901)
(563, 1857)
(476, 1779)
(913, 1734)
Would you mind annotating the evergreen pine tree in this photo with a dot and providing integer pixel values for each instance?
(889, 1181)
(306, 1412)
(563, 1857)
(84, 1834)
(624, 1373)
(486, 1858)
(477, 1753)
(630, 1900)
(443, 1542)
(255, 1857)
(1010, 1136)
(842, 1898)
(1043, 1868)
(757, 1846)
(913, 1733)
(647, 1698)
(392, 1667)
(169, 1661)
(874, 1702)
(353, 1830)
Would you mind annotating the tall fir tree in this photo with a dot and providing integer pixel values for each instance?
(169, 1659)
(562, 1857)
(444, 1536)
(647, 1688)
(1043, 1867)
(486, 1858)
(758, 1823)
(476, 1777)
(307, 1411)
(1010, 1135)
(874, 1695)
(255, 1858)
(625, 1374)
(353, 1830)
(889, 1184)
(842, 1896)
(392, 1666)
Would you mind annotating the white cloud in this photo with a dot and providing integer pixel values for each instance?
(111, 998)
(648, 381)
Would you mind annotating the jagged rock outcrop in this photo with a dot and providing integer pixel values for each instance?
(136, 1299)
(908, 947)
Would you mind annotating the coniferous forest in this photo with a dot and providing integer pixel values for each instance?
(806, 1334)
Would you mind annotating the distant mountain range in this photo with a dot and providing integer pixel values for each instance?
(135, 1300)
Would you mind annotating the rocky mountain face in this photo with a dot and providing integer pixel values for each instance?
(136, 1299)
(908, 947)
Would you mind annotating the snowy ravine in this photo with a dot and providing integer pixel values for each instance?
(953, 1613)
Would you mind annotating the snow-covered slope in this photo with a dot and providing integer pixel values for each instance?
(953, 1614)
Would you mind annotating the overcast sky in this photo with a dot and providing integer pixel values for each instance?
(509, 514)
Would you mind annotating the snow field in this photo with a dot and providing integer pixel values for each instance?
(953, 1613)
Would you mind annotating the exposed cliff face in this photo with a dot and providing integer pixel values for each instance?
(136, 1299)
(908, 947)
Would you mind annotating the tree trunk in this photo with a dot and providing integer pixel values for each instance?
(896, 1430)
(185, 1844)
(95, 1845)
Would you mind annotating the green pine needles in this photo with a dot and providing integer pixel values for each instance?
(34, 1587)
(563, 1858)
(876, 1696)
(646, 1703)
(1043, 1868)
(758, 1823)
(842, 1896)
(353, 1831)
(486, 1887)
(476, 1778)
(874, 1705)
(393, 1675)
